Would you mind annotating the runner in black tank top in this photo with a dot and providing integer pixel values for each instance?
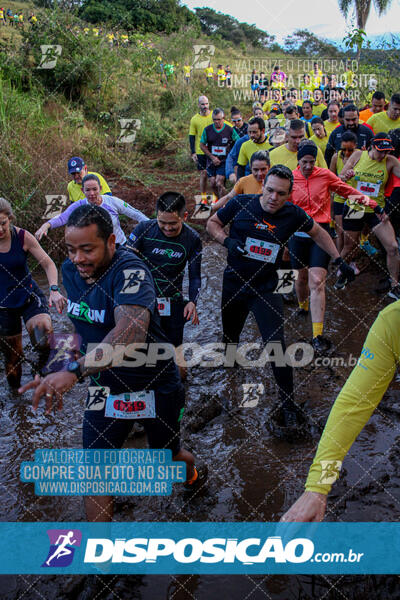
(20, 296)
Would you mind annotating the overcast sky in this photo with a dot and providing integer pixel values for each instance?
(282, 17)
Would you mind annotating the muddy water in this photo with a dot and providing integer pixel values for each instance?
(253, 477)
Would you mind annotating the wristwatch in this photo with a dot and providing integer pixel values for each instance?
(54, 288)
(75, 368)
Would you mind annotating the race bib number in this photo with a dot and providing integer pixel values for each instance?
(218, 150)
(370, 189)
(261, 250)
(131, 405)
(164, 307)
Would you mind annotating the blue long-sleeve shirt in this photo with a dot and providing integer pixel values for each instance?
(233, 156)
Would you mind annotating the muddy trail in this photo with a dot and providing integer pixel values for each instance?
(252, 475)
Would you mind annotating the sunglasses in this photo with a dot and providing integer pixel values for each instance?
(236, 120)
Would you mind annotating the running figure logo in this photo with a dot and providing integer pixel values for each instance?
(251, 394)
(62, 547)
(129, 128)
(133, 277)
(50, 56)
(287, 278)
(97, 397)
(54, 206)
(330, 471)
(64, 348)
(202, 55)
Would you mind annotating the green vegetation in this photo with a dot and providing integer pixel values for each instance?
(79, 106)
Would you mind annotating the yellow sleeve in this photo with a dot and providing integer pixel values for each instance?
(356, 402)
(243, 160)
(104, 185)
(321, 162)
(371, 123)
(192, 127)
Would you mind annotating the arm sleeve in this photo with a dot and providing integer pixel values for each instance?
(232, 158)
(192, 141)
(241, 170)
(242, 160)
(194, 268)
(228, 212)
(136, 237)
(134, 285)
(341, 187)
(123, 208)
(356, 402)
(320, 160)
(63, 218)
(330, 147)
(192, 128)
(105, 189)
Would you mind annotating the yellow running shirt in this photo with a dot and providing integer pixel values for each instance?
(283, 156)
(209, 72)
(248, 148)
(330, 126)
(360, 395)
(318, 109)
(339, 169)
(370, 177)
(321, 143)
(197, 124)
(381, 122)
(186, 70)
(75, 189)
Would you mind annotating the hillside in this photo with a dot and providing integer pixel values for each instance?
(83, 104)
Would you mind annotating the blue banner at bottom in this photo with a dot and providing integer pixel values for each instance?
(212, 548)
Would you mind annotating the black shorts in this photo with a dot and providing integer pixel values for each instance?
(304, 252)
(358, 224)
(10, 318)
(338, 208)
(201, 162)
(99, 431)
(174, 324)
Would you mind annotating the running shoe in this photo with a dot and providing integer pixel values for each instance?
(394, 292)
(368, 248)
(321, 344)
(202, 475)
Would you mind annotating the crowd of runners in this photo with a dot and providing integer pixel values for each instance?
(313, 184)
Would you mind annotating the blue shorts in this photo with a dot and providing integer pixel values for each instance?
(213, 171)
(10, 318)
(99, 431)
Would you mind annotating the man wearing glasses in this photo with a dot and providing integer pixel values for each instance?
(240, 126)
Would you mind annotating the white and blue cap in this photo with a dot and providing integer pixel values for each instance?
(75, 164)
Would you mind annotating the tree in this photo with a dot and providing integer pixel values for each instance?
(304, 43)
(215, 23)
(362, 9)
